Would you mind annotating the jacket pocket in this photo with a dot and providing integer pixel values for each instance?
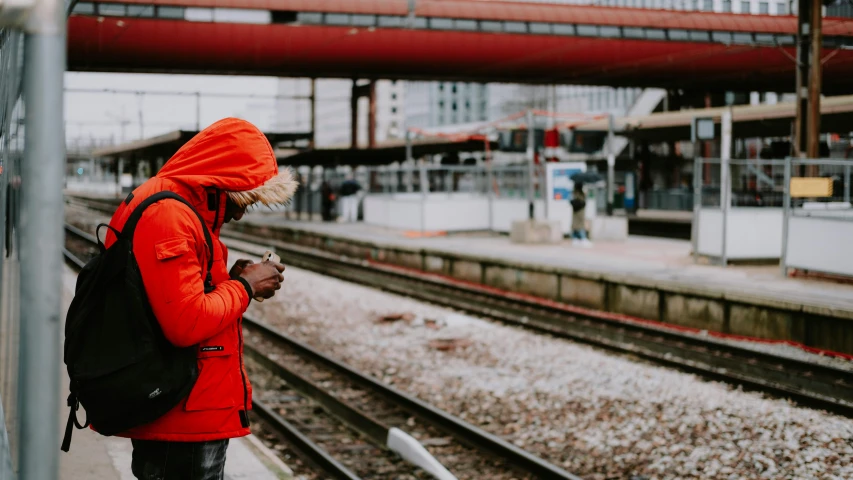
(218, 383)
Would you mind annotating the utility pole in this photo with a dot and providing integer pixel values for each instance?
(531, 158)
(809, 44)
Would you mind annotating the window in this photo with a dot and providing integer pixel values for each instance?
(781, 8)
(112, 9)
(722, 37)
(655, 34)
(394, 95)
(440, 87)
(453, 106)
(441, 23)
(170, 12)
(393, 109)
(727, 6)
(678, 35)
(515, 27)
(587, 30)
(419, 22)
(489, 26)
(743, 38)
(631, 32)
(785, 40)
(194, 14)
(744, 7)
(764, 38)
(540, 28)
(764, 8)
(85, 8)
(563, 29)
(708, 5)
(609, 32)
(390, 21)
(698, 36)
(309, 18)
(337, 18)
(469, 25)
(364, 20)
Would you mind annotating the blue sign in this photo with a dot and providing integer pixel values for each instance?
(563, 185)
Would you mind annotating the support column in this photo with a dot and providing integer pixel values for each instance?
(802, 85)
(371, 116)
(312, 141)
(354, 115)
(813, 128)
(42, 238)
(531, 155)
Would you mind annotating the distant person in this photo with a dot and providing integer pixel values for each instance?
(578, 203)
(223, 170)
(349, 199)
(327, 201)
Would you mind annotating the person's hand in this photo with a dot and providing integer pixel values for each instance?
(264, 278)
(238, 267)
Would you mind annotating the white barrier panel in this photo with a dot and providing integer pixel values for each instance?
(751, 233)
(449, 214)
(820, 243)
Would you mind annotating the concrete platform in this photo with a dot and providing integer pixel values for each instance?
(95, 457)
(645, 277)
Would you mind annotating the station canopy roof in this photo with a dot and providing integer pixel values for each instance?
(164, 146)
(383, 154)
(748, 121)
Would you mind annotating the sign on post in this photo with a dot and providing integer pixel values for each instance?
(702, 128)
(811, 187)
(559, 186)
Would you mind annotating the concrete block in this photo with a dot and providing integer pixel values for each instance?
(540, 284)
(761, 322)
(536, 231)
(582, 292)
(404, 259)
(706, 314)
(468, 271)
(637, 301)
(501, 277)
(829, 334)
(609, 228)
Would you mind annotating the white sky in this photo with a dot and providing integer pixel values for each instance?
(100, 115)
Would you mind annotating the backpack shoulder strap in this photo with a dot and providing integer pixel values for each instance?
(130, 226)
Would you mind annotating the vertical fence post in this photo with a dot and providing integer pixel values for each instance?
(42, 236)
(725, 178)
(697, 204)
(847, 183)
(786, 212)
(531, 149)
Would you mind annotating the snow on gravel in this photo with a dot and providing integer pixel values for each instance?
(597, 414)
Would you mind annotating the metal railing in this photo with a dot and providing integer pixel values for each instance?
(498, 181)
(32, 166)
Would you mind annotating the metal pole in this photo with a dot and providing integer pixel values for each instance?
(802, 84)
(847, 183)
(786, 212)
(410, 162)
(312, 142)
(198, 111)
(813, 141)
(424, 194)
(42, 236)
(697, 203)
(725, 178)
(531, 139)
(611, 165)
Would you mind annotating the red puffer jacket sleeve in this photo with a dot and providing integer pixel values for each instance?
(169, 247)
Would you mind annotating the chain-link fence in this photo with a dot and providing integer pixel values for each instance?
(11, 151)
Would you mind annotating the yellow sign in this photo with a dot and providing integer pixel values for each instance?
(811, 187)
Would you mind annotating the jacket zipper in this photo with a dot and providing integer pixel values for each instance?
(244, 415)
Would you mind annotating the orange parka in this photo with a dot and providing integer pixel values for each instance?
(229, 158)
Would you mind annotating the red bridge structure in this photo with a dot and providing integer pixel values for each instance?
(454, 40)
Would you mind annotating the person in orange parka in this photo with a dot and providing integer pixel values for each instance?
(226, 168)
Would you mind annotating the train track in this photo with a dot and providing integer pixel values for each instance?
(813, 384)
(809, 383)
(349, 424)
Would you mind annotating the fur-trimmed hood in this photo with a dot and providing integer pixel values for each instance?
(235, 157)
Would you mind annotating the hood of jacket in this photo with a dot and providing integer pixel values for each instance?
(231, 157)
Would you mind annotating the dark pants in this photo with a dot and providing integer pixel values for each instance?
(154, 460)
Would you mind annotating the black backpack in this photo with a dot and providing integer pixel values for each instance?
(122, 368)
